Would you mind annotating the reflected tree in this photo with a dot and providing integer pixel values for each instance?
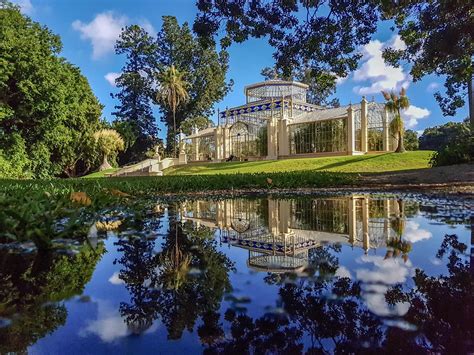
(441, 307)
(184, 281)
(31, 285)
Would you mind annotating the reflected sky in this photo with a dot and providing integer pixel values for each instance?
(296, 274)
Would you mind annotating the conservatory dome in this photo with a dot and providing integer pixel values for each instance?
(276, 89)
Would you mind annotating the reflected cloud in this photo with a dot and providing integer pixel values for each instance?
(342, 271)
(109, 325)
(414, 234)
(377, 279)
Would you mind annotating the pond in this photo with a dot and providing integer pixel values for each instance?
(342, 273)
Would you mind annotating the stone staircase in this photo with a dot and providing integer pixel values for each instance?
(148, 167)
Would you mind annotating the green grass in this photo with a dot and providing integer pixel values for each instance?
(99, 174)
(372, 163)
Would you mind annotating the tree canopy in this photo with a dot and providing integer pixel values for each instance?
(439, 40)
(325, 36)
(48, 111)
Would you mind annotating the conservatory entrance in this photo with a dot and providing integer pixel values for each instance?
(248, 140)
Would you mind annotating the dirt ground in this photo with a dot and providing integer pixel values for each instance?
(444, 175)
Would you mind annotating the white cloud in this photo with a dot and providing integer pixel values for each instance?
(111, 77)
(414, 234)
(115, 279)
(103, 31)
(25, 6)
(378, 75)
(432, 87)
(147, 26)
(412, 114)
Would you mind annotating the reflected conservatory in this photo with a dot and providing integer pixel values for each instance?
(280, 234)
(278, 122)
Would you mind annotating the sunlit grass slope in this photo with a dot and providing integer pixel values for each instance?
(372, 163)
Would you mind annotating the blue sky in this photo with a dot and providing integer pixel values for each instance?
(89, 28)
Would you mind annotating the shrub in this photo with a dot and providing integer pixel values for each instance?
(459, 150)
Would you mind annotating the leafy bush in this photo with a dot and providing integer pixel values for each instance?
(14, 161)
(459, 150)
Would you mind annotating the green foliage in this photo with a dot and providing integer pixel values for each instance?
(204, 70)
(453, 142)
(438, 37)
(199, 122)
(134, 116)
(394, 104)
(43, 98)
(322, 36)
(109, 142)
(457, 152)
(172, 93)
(410, 140)
(14, 161)
(438, 137)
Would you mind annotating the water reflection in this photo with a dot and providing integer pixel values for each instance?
(317, 275)
(279, 234)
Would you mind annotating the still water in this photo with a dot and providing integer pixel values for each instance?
(334, 274)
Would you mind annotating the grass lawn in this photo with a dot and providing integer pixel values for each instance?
(99, 174)
(372, 163)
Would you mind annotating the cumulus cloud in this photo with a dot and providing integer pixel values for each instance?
(103, 31)
(111, 77)
(378, 75)
(413, 114)
(413, 232)
(26, 6)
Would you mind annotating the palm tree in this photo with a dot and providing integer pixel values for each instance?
(172, 92)
(394, 105)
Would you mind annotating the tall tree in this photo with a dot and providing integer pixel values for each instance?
(394, 104)
(134, 116)
(45, 102)
(205, 72)
(172, 92)
(439, 40)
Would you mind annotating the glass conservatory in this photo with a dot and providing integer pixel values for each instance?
(277, 121)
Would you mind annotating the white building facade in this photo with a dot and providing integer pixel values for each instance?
(276, 122)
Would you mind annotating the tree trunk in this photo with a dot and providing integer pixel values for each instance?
(174, 133)
(400, 145)
(470, 94)
(105, 164)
